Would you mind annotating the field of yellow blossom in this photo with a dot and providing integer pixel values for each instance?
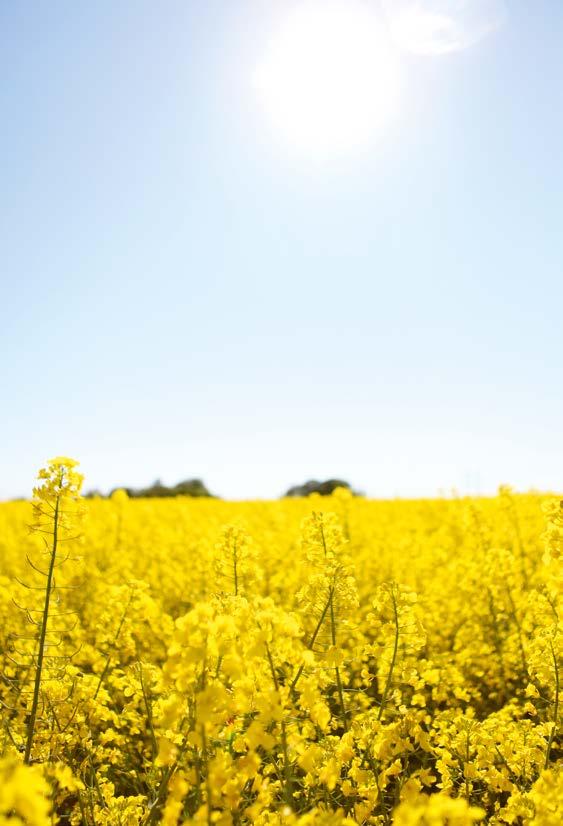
(333, 660)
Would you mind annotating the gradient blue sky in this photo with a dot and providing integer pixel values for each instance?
(183, 294)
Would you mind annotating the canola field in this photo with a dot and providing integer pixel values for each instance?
(331, 660)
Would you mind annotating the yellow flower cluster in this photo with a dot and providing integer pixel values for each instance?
(301, 662)
(24, 795)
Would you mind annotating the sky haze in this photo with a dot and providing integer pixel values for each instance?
(187, 293)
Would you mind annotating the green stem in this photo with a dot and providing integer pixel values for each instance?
(287, 794)
(393, 658)
(556, 710)
(206, 770)
(467, 794)
(42, 638)
(313, 638)
(337, 670)
(155, 809)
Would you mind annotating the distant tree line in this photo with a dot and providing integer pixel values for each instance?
(314, 486)
(195, 487)
(189, 487)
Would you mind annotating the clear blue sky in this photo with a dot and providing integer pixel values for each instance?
(183, 294)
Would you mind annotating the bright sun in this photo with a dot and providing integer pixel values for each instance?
(329, 80)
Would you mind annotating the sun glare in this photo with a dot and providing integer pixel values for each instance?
(329, 80)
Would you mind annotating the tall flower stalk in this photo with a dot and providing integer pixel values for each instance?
(329, 595)
(56, 510)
